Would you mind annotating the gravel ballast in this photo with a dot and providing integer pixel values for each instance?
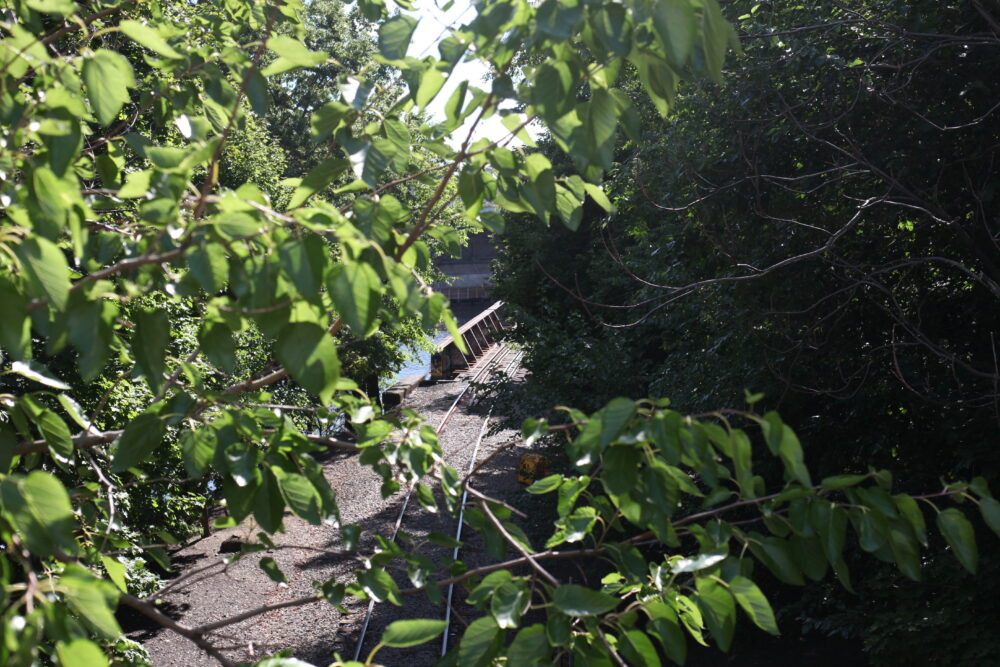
(212, 590)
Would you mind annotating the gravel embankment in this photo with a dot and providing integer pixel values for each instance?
(314, 632)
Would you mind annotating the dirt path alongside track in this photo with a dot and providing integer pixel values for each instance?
(313, 632)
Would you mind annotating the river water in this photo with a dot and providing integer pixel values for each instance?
(464, 311)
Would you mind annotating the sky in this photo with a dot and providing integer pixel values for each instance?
(433, 27)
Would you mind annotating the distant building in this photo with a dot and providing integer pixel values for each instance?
(470, 273)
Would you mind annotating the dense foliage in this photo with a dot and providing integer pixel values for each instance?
(819, 229)
(188, 294)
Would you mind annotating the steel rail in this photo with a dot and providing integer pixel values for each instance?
(476, 378)
(461, 512)
(492, 362)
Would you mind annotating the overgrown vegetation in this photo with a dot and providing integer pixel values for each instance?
(817, 229)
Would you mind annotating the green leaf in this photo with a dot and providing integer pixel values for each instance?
(304, 260)
(718, 609)
(843, 574)
(614, 417)
(149, 38)
(136, 185)
(691, 617)
(108, 76)
(140, 438)
(980, 487)
(257, 93)
(990, 509)
(300, 494)
(545, 484)
(429, 86)
(699, 562)
(56, 434)
(529, 647)
(490, 582)
(239, 499)
(452, 326)
(37, 372)
(310, 356)
(46, 267)
(41, 511)
(116, 572)
(443, 539)
(830, 522)
(717, 34)
(574, 600)
(356, 291)
(754, 604)
(904, 548)
(841, 481)
(960, 537)
(394, 36)
(665, 627)
(773, 552)
(790, 452)
(236, 224)
(557, 628)
(268, 503)
(92, 599)
(471, 187)
(218, 345)
(80, 652)
(558, 19)
(198, 448)
(597, 194)
(569, 207)
(453, 107)
(272, 570)
(569, 492)
(553, 90)
(152, 334)
(639, 649)
(873, 531)
(808, 555)
(609, 25)
(507, 603)
(15, 326)
(426, 497)
(397, 133)
(908, 507)
(601, 121)
(241, 464)
(516, 124)
(61, 7)
(73, 409)
(293, 52)
(318, 178)
(380, 586)
(481, 641)
(210, 267)
(620, 466)
(403, 634)
(328, 118)
(674, 22)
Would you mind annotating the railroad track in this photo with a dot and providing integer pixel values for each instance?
(500, 360)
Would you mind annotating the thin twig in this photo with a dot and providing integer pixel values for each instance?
(517, 545)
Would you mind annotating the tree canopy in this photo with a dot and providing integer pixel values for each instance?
(816, 230)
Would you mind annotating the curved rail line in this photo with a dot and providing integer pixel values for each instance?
(489, 365)
(461, 512)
